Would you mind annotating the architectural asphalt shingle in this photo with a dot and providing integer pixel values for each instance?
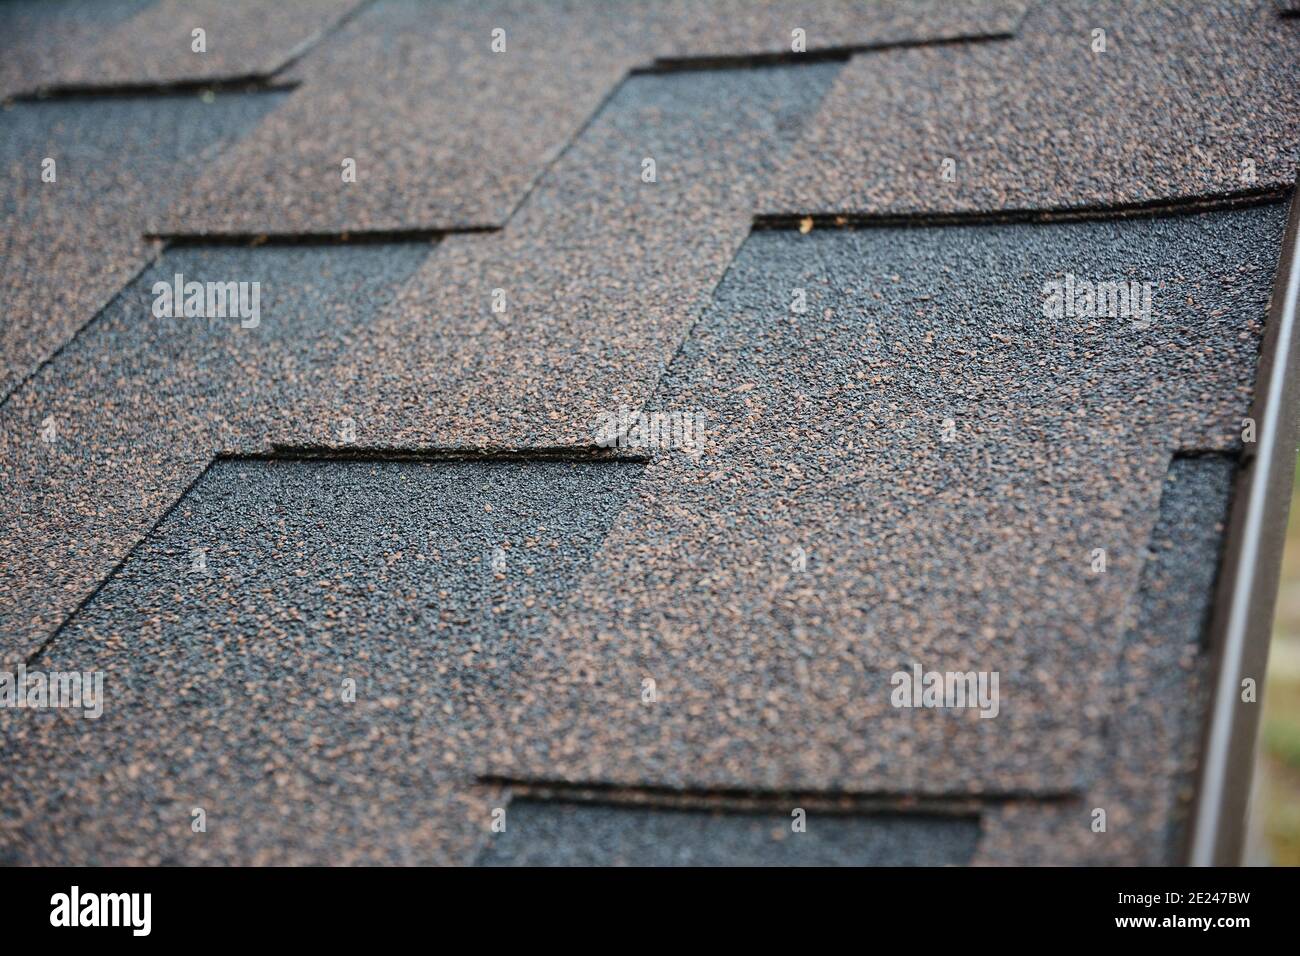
(389, 560)
(81, 179)
(449, 133)
(37, 36)
(240, 40)
(1186, 101)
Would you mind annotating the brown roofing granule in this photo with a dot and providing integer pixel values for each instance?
(241, 39)
(1187, 100)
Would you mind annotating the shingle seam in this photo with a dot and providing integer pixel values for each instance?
(264, 79)
(248, 83)
(560, 153)
(308, 44)
(344, 237)
(92, 593)
(741, 800)
(749, 61)
(1243, 199)
(576, 453)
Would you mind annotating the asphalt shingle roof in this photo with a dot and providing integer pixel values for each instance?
(976, 552)
(399, 474)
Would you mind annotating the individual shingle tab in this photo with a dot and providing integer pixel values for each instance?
(1093, 104)
(81, 178)
(37, 37)
(445, 133)
(103, 440)
(228, 641)
(1160, 690)
(556, 833)
(1158, 698)
(914, 470)
(598, 277)
(241, 39)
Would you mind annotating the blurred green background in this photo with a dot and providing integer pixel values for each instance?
(1275, 817)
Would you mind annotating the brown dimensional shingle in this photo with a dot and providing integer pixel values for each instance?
(243, 39)
(1188, 100)
(81, 178)
(447, 134)
(825, 434)
(600, 275)
(37, 37)
(737, 28)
